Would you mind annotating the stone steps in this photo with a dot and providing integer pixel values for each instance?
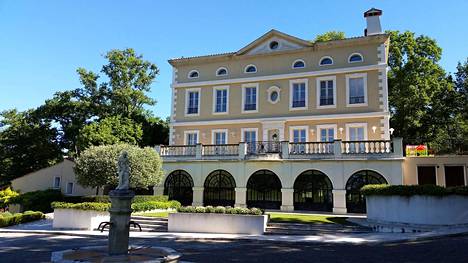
(312, 229)
(150, 224)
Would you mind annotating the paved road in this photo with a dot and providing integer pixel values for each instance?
(37, 248)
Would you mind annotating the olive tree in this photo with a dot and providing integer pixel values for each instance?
(97, 166)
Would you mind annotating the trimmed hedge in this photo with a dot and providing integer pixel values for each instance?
(409, 190)
(220, 210)
(8, 219)
(152, 205)
(38, 200)
(136, 199)
(82, 206)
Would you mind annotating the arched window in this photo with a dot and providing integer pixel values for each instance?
(299, 64)
(355, 57)
(193, 74)
(355, 201)
(313, 191)
(221, 72)
(264, 190)
(250, 69)
(219, 189)
(326, 61)
(179, 186)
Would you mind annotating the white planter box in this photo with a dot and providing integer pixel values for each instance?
(217, 223)
(79, 219)
(417, 209)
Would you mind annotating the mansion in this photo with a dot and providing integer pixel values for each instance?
(286, 123)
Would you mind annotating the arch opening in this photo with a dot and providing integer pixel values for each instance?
(313, 191)
(179, 186)
(219, 189)
(355, 201)
(264, 190)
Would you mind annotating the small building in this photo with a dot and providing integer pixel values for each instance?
(59, 176)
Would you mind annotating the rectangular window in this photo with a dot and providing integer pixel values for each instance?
(427, 175)
(356, 90)
(250, 138)
(69, 189)
(193, 101)
(250, 99)
(299, 95)
(356, 133)
(220, 100)
(56, 182)
(454, 175)
(219, 137)
(327, 134)
(299, 135)
(327, 93)
(191, 138)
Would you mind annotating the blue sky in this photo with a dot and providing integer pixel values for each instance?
(43, 42)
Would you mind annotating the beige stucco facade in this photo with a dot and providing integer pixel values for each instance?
(45, 179)
(410, 167)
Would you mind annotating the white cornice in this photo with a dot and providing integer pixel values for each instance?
(283, 118)
(281, 76)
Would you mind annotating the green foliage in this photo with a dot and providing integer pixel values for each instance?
(97, 166)
(329, 36)
(110, 130)
(82, 206)
(27, 144)
(38, 200)
(8, 219)
(220, 210)
(410, 190)
(153, 205)
(6, 195)
(136, 199)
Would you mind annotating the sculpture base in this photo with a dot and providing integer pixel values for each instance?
(99, 254)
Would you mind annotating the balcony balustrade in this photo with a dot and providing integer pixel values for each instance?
(286, 150)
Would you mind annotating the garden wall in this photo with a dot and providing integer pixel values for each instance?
(79, 219)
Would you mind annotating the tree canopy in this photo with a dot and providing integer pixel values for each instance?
(97, 166)
(331, 35)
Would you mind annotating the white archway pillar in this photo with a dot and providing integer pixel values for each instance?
(241, 196)
(197, 196)
(287, 199)
(339, 201)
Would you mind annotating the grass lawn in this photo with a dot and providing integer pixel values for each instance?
(308, 219)
(155, 214)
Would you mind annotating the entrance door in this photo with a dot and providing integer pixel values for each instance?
(427, 175)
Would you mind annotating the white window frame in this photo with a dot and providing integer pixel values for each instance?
(326, 126)
(317, 86)
(243, 130)
(298, 60)
(356, 75)
(324, 57)
(355, 53)
(213, 139)
(191, 132)
(270, 90)
(250, 85)
(356, 125)
(187, 101)
(60, 182)
(216, 88)
(294, 128)
(291, 84)
(250, 65)
(72, 188)
(190, 73)
(218, 75)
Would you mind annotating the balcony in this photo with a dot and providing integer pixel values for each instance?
(263, 150)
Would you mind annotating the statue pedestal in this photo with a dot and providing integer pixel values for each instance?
(120, 212)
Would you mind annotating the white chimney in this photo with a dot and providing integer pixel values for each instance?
(373, 22)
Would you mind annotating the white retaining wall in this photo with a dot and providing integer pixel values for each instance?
(79, 219)
(423, 210)
(217, 223)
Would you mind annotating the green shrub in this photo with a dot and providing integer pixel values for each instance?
(152, 205)
(38, 200)
(209, 209)
(6, 195)
(221, 210)
(82, 206)
(200, 209)
(136, 199)
(409, 190)
(7, 219)
(256, 211)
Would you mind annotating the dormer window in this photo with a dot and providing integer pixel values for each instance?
(298, 64)
(274, 45)
(325, 61)
(221, 72)
(355, 57)
(193, 74)
(250, 69)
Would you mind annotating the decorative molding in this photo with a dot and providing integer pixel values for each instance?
(187, 102)
(249, 85)
(366, 99)
(215, 88)
(291, 90)
(317, 85)
(324, 57)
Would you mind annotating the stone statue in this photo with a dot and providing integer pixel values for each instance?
(123, 171)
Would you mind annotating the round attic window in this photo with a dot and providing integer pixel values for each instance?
(274, 45)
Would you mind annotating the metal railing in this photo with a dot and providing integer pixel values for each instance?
(178, 150)
(300, 148)
(367, 147)
(263, 147)
(220, 150)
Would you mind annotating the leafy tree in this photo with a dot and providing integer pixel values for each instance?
(27, 144)
(110, 130)
(97, 166)
(331, 35)
(155, 131)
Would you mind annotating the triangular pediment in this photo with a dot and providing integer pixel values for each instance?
(273, 41)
